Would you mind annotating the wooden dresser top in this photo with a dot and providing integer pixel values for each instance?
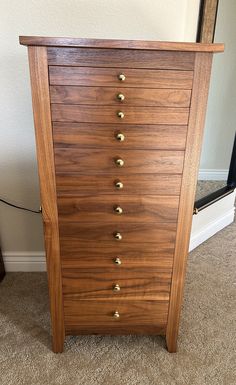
(123, 44)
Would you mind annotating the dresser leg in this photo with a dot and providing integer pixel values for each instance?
(57, 345)
(171, 345)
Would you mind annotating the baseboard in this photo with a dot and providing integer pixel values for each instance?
(210, 230)
(212, 219)
(213, 174)
(24, 261)
(205, 224)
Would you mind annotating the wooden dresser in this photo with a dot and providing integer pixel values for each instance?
(118, 131)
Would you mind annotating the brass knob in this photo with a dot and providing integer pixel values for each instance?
(120, 114)
(119, 185)
(120, 137)
(116, 287)
(121, 97)
(116, 314)
(118, 236)
(118, 210)
(117, 261)
(121, 77)
(120, 162)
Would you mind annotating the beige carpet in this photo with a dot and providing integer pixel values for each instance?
(207, 187)
(207, 339)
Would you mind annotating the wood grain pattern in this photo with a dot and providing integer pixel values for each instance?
(108, 77)
(145, 184)
(207, 24)
(99, 161)
(97, 234)
(106, 114)
(111, 43)
(194, 139)
(43, 131)
(77, 150)
(99, 57)
(135, 316)
(148, 255)
(136, 208)
(135, 283)
(116, 329)
(108, 96)
(94, 135)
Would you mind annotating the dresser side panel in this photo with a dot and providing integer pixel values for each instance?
(43, 131)
(201, 79)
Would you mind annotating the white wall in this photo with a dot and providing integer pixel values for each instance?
(221, 113)
(21, 232)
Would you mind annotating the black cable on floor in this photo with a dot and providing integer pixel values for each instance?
(20, 207)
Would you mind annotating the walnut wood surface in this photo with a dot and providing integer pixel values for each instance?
(135, 283)
(156, 222)
(94, 135)
(148, 255)
(96, 233)
(111, 43)
(134, 315)
(100, 161)
(43, 131)
(108, 77)
(136, 208)
(93, 57)
(192, 156)
(207, 26)
(116, 329)
(145, 184)
(71, 248)
(107, 96)
(108, 114)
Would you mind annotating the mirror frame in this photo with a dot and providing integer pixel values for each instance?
(207, 21)
(205, 34)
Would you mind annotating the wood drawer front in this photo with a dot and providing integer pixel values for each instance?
(150, 184)
(87, 161)
(98, 316)
(97, 233)
(135, 283)
(105, 114)
(107, 208)
(108, 96)
(105, 135)
(122, 58)
(145, 255)
(108, 77)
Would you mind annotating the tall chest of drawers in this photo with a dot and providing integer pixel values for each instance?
(118, 132)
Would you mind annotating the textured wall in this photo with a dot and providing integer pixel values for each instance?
(127, 19)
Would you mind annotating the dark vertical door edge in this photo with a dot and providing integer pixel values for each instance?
(231, 181)
(2, 268)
